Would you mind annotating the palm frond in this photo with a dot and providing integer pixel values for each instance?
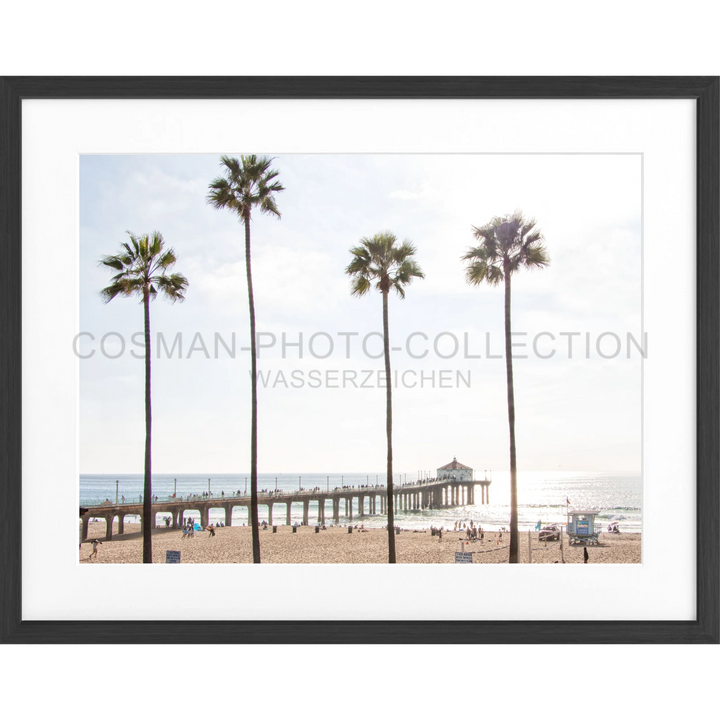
(144, 270)
(381, 261)
(404, 275)
(248, 183)
(167, 259)
(112, 261)
(481, 271)
(256, 167)
(360, 285)
(232, 165)
(155, 243)
(505, 244)
(112, 291)
(268, 207)
(221, 194)
(536, 257)
(173, 286)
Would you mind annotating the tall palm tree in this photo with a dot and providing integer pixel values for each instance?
(247, 184)
(505, 245)
(143, 269)
(382, 261)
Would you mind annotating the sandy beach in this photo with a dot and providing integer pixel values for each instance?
(336, 545)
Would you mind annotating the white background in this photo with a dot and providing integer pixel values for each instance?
(55, 586)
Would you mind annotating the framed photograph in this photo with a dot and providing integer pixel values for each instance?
(323, 342)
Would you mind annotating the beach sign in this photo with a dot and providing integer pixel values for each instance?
(463, 557)
(172, 556)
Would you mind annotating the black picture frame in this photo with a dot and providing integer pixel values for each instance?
(703, 90)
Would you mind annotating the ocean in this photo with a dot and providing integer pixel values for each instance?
(541, 496)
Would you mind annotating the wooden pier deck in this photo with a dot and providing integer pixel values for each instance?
(345, 502)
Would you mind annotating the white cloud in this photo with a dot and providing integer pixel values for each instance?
(424, 191)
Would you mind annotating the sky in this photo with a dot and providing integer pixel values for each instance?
(572, 413)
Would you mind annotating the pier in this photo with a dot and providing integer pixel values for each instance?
(345, 502)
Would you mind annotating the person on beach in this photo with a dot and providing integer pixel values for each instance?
(185, 532)
(212, 531)
(95, 544)
(586, 557)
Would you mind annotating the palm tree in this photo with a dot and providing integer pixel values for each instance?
(248, 183)
(380, 260)
(143, 268)
(505, 245)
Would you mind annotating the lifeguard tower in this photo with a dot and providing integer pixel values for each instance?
(581, 527)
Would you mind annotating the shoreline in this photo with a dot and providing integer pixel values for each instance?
(232, 545)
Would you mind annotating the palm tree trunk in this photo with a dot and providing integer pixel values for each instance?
(388, 427)
(514, 539)
(253, 431)
(147, 486)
